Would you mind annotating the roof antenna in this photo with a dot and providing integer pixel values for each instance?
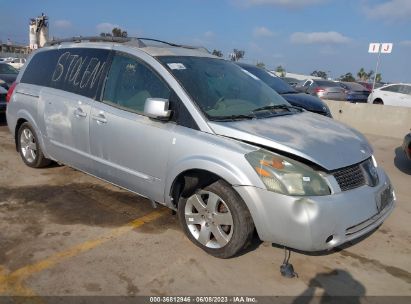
(287, 269)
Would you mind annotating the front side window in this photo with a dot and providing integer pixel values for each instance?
(221, 88)
(130, 83)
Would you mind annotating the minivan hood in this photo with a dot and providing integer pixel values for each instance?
(319, 139)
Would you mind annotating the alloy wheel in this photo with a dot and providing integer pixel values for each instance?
(209, 219)
(28, 145)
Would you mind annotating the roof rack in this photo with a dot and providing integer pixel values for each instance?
(191, 47)
(134, 41)
(78, 39)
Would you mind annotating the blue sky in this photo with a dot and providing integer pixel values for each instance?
(301, 35)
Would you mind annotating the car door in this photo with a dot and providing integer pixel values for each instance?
(390, 95)
(66, 118)
(67, 101)
(130, 149)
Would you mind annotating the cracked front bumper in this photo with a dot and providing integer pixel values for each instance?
(321, 222)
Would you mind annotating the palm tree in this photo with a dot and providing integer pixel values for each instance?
(378, 77)
(237, 55)
(362, 75)
(280, 70)
(217, 53)
(118, 32)
(347, 77)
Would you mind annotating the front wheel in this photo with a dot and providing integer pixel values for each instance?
(378, 101)
(29, 147)
(217, 220)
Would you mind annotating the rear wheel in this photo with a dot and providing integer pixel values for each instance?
(217, 220)
(378, 101)
(29, 147)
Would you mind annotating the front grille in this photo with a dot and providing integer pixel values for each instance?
(350, 177)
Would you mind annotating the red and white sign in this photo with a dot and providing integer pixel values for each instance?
(374, 47)
(386, 48)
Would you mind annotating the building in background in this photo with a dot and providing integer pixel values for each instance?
(38, 31)
(11, 49)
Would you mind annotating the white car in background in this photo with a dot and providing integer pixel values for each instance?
(17, 63)
(398, 94)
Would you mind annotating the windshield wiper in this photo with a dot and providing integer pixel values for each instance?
(231, 117)
(277, 107)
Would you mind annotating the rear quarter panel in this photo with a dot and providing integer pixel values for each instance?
(26, 104)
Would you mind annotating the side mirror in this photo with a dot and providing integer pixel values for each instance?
(157, 108)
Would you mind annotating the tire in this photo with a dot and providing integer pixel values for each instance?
(29, 147)
(378, 101)
(217, 220)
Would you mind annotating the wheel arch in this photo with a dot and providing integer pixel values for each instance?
(25, 116)
(195, 172)
(186, 182)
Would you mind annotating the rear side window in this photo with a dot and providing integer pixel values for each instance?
(77, 70)
(326, 83)
(405, 89)
(393, 88)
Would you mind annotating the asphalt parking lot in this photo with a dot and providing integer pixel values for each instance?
(65, 233)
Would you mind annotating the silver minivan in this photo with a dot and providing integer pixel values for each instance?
(202, 136)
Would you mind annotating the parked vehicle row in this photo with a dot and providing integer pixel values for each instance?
(392, 94)
(334, 90)
(8, 75)
(325, 89)
(16, 63)
(202, 136)
(355, 92)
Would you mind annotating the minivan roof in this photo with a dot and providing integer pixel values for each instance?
(151, 46)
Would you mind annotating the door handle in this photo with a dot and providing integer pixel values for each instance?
(100, 119)
(80, 113)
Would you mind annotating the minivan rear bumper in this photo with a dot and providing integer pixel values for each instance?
(317, 223)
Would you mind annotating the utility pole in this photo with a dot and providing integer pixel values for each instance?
(384, 48)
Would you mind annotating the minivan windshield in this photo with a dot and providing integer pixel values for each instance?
(223, 90)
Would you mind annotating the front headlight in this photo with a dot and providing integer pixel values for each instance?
(287, 176)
